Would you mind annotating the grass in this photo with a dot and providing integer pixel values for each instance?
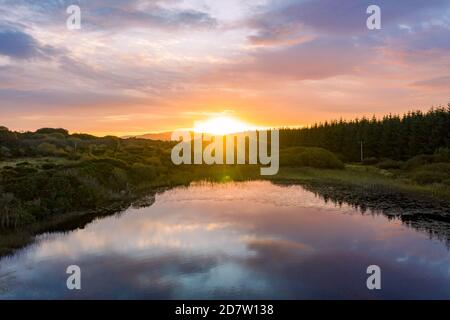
(362, 176)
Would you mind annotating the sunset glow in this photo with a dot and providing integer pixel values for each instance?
(222, 125)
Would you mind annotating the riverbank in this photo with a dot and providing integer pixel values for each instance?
(372, 189)
(11, 240)
(365, 177)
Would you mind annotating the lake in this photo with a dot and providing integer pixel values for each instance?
(248, 240)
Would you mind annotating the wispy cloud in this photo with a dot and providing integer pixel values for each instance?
(18, 44)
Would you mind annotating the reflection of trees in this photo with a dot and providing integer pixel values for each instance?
(426, 215)
(79, 222)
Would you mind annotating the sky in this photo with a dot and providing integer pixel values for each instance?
(139, 66)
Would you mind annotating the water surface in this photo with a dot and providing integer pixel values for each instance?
(251, 240)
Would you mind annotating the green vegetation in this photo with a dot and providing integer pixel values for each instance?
(50, 173)
(310, 157)
(367, 178)
(393, 137)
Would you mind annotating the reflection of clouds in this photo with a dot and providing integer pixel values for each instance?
(112, 276)
(341, 275)
(281, 246)
(222, 241)
(293, 195)
(134, 233)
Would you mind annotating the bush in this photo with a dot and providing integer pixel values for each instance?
(61, 131)
(428, 177)
(57, 136)
(310, 157)
(370, 161)
(442, 155)
(5, 152)
(143, 172)
(12, 215)
(24, 170)
(419, 160)
(48, 166)
(390, 164)
(48, 149)
(443, 168)
(74, 156)
(119, 179)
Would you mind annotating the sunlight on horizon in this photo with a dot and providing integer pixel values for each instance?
(222, 125)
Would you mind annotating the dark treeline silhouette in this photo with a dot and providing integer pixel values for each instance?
(394, 137)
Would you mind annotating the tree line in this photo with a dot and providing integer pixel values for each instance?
(394, 137)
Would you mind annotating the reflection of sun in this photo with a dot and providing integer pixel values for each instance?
(222, 125)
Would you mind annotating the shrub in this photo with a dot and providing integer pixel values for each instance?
(370, 161)
(24, 170)
(74, 156)
(48, 166)
(442, 155)
(428, 177)
(288, 157)
(310, 157)
(143, 172)
(419, 160)
(119, 179)
(12, 215)
(57, 136)
(443, 168)
(61, 131)
(107, 161)
(155, 161)
(47, 149)
(390, 164)
(5, 152)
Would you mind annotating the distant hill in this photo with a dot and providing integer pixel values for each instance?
(163, 136)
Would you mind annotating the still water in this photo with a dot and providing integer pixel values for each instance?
(250, 240)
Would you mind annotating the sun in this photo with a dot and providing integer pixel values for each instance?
(222, 125)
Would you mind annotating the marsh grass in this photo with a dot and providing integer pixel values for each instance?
(367, 177)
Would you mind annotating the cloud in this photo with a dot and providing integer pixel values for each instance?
(17, 99)
(20, 45)
(313, 60)
(439, 82)
(311, 40)
(339, 17)
(146, 78)
(279, 35)
(117, 15)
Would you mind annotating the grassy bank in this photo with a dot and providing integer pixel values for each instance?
(369, 188)
(363, 177)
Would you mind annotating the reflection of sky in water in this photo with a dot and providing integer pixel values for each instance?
(243, 240)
